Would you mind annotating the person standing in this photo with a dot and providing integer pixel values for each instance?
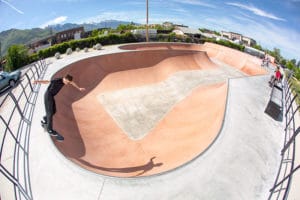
(278, 75)
(55, 86)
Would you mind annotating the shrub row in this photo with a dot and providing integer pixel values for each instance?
(225, 43)
(87, 42)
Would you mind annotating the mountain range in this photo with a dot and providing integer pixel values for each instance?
(17, 36)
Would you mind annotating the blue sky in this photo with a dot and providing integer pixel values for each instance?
(272, 23)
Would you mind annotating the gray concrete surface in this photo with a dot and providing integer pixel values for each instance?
(240, 165)
(138, 110)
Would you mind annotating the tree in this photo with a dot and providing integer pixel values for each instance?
(124, 27)
(290, 65)
(258, 47)
(276, 54)
(283, 62)
(17, 56)
(294, 61)
(171, 37)
(217, 33)
(95, 33)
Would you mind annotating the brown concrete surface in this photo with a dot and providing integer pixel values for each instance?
(93, 139)
(240, 60)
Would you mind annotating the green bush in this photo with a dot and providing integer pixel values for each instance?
(161, 37)
(188, 40)
(17, 56)
(33, 57)
(171, 37)
(224, 43)
(87, 42)
(73, 44)
(231, 45)
(295, 87)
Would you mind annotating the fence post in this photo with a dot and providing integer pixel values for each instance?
(292, 139)
(291, 103)
(291, 119)
(26, 75)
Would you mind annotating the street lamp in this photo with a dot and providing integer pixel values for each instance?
(147, 33)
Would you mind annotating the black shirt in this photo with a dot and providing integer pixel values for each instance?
(55, 86)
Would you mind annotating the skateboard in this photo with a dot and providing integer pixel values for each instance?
(55, 134)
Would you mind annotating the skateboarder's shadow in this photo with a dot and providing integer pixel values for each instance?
(143, 168)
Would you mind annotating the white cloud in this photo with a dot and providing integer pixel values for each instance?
(267, 35)
(256, 11)
(180, 10)
(196, 3)
(135, 16)
(124, 16)
(134, 3)
(11, 6)
(283, 38)
(67, 1)
(57, 20)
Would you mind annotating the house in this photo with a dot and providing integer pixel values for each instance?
(238, 38)
(194, 34)
(37, 45)
(70, 34)
(142, 32)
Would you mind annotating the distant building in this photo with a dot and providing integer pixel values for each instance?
(183, 30)
(167, 25)
(37, 45)
(87, 34)
(180, 25)
(71, 34)
(194, 34)
(238, 38)
(142, 32)
(254, 52)
(209, 35)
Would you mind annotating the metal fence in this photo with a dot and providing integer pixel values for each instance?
(287, 169)
(16, 111)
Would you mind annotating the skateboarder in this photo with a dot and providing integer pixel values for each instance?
(54, 87)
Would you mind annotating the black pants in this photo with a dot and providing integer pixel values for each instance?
(50, 108)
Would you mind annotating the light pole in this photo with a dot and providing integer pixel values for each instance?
(0, 57)
(147, 33)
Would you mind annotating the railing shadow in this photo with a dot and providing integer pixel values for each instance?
(17, 106)
(282, 184)
(143, 168)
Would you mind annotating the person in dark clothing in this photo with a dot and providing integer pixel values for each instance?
(50, 107)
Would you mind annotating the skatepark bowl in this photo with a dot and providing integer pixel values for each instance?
(147, 110)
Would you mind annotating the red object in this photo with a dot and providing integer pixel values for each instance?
(278, 74)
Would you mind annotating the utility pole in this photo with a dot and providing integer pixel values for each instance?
(1, 68)
(147, 33)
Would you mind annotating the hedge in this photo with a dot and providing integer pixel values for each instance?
(225, 43)
(87, 42)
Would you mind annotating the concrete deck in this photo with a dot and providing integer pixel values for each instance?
(240, 162)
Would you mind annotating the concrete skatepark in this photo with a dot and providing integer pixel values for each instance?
(157, 121)
(141, 105)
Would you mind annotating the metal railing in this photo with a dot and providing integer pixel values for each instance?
(283, 181)
(16, 111)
